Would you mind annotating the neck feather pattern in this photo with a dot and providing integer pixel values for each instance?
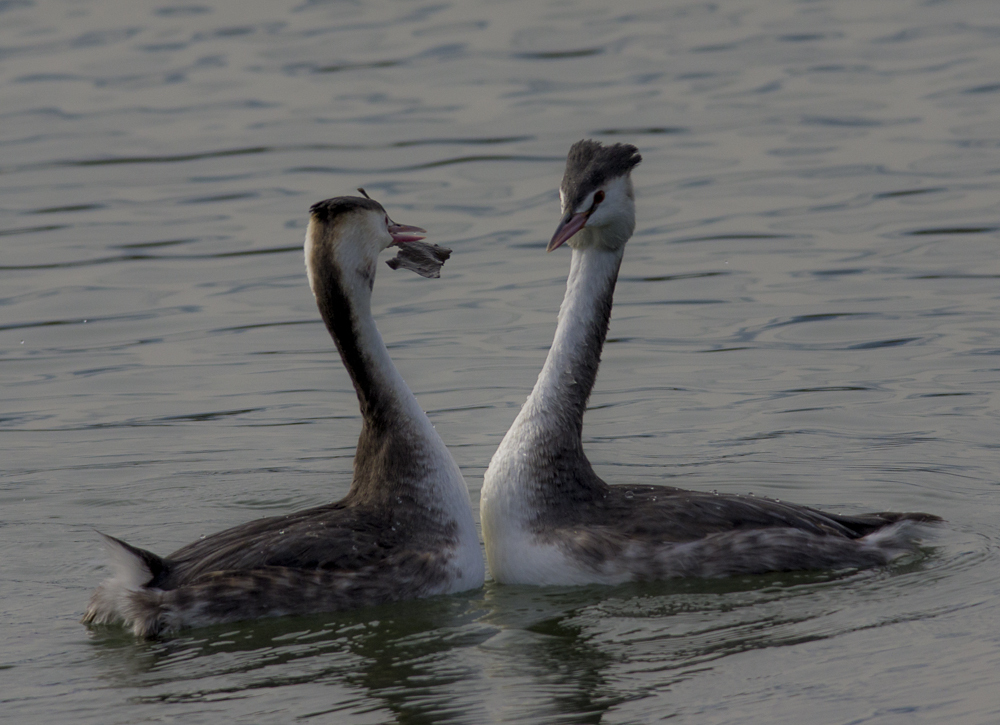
(551, 422)
(570, 369)
(398, 447)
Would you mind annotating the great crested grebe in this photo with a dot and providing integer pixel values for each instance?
(548, 519)
(404, 530)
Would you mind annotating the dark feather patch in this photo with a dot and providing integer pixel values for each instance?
(329, 209)
(590, 164)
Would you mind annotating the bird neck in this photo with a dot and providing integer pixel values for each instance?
(398, 449)
(567, 378)
(344, 301)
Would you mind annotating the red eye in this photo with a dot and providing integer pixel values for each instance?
(598, 198)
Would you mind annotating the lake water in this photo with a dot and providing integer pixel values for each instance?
(808, 311)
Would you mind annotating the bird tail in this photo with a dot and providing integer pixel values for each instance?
(898, 538)
(136, 572)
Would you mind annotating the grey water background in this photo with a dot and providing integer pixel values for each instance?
(808, 311)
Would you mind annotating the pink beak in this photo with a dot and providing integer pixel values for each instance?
(402, 233)
(566, 229)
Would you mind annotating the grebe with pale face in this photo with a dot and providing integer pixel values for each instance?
(405, 529)
(547, 518)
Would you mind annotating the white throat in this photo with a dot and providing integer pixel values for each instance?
(542, 452)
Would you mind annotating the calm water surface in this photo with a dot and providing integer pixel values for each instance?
(808, 311)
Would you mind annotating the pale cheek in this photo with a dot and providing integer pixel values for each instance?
(385, 239)
(597, 219)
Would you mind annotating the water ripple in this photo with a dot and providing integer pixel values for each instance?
(817, 204)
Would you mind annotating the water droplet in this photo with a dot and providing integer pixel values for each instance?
(281, 531)
(629, 494)
(202, 536)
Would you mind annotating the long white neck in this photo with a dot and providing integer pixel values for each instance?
(541, 458)
(540, 469)
(567, 378)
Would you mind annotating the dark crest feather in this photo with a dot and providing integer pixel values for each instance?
(329, 209)
(590, 164)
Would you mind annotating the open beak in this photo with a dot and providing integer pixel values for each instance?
(402, 233)
(566, 229)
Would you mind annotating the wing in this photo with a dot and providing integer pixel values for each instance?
(331, 537)
(656, 532)
(661, 513)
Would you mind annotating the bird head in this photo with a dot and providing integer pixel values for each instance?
(349, 232)
(597, 196)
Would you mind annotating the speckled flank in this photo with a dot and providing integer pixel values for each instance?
(656, 532)
(234, 594)
(405, 529)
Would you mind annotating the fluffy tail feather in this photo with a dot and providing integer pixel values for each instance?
(899, 538)
(866, 524)
(135, 570)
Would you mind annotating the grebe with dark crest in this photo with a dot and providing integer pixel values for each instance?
(405, 529)
(547, 518)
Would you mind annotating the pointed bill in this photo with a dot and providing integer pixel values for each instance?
(403, 233)
(566, 229)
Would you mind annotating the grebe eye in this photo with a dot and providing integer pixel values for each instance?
(598, 198)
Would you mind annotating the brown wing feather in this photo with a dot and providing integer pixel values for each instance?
(326, 538)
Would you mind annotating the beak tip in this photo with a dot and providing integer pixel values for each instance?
(566, 229)
(403, 233)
